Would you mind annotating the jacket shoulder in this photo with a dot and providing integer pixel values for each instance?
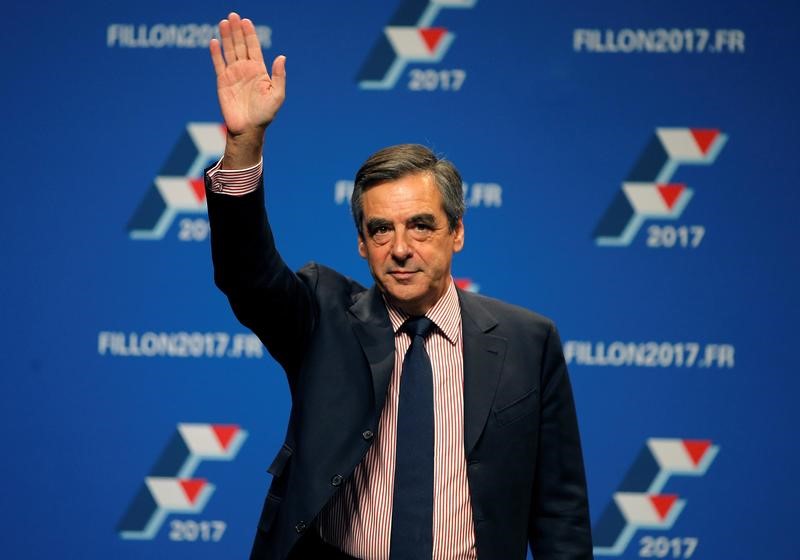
(508, 318)
(329, 285)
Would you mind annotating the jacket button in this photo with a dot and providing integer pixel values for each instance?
(300, 527)
(337, 480)
(367, 435)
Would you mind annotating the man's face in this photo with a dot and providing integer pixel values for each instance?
(407, 241)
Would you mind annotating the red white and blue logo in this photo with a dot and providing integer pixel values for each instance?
(409, 37)
(647, 193)
(639, 503)
(467, 285)
(170, 487)
(178, 188)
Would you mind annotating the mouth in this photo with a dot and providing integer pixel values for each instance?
(402, 274)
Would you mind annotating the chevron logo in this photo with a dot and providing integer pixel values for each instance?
(178, 188)
(638, 502)
(170, 488)
(647, 192)
(409, 37)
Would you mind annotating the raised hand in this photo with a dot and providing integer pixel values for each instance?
(248, 97)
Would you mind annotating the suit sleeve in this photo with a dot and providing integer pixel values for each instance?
(265, 294)
(559, 526)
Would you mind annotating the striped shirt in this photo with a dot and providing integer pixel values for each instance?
(236, 182)
(358, 518)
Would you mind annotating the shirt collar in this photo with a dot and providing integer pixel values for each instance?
(445, 314)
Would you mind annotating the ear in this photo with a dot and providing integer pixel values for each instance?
(458, 239)
(362, 248)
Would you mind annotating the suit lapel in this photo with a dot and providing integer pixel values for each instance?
(483, 360)
(370, 322)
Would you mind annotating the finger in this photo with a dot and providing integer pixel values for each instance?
(216, 57)
(238, 36)
(279, 75)
(227, 41)
(251, 40)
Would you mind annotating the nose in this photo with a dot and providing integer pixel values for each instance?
(401, 250)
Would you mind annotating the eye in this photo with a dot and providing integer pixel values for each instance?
(421, 230)
(380, 233)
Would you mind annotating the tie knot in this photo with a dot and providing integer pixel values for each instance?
(418, 326)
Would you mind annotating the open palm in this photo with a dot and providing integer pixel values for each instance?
(248, 97)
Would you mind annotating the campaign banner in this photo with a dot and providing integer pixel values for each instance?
(628, 172)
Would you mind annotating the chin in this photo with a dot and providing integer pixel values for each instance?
(404, 298)
(412, 304)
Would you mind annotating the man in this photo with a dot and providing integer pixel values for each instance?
(426, 422)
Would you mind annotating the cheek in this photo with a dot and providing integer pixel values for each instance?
(435, 256)
(374, 255)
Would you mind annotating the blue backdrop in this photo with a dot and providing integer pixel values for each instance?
(140, 417)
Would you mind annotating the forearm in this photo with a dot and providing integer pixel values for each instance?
(242, 246)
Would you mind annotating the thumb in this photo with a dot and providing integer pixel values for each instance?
(279, 73)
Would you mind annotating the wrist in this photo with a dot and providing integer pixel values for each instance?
(243, 149)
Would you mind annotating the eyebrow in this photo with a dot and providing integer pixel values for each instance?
(375, 223)
(426, 219)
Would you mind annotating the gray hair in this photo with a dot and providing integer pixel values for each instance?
(396, 162)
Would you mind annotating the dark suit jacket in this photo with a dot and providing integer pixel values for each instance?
(334, 339)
